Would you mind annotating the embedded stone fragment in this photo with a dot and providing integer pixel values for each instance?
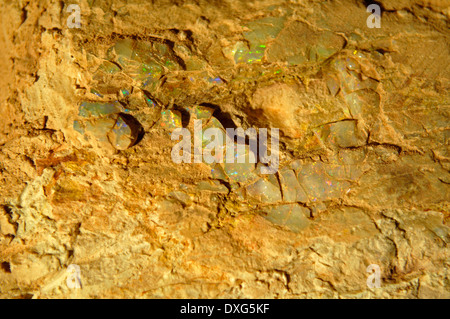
(104, 122)
(214, 124)
(201, 112)
(213, 186)
(170, 119)
(217, 172)
(343, 134)
(109, 67)
(244, 54)
(264, 191)
(122, 136)
(353, 161)
(292, 216)
(144, 61)
(261, 32)
(292, 191)
(322, 181)
(316, 45)
(332, 84)
(94, 109)
(78, 127)
(363, 104)
(242, 169)
(100, 128)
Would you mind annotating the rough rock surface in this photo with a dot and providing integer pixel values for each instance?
(364, 119)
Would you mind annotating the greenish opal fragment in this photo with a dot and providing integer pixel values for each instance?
(242, 168)
(264, 191)
(77, 127)
(292, 216)
(94, 109)
(343, 134)
(109, 67)
(292, 191)
(144, 61)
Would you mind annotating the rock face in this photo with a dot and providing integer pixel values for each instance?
(94, 206)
